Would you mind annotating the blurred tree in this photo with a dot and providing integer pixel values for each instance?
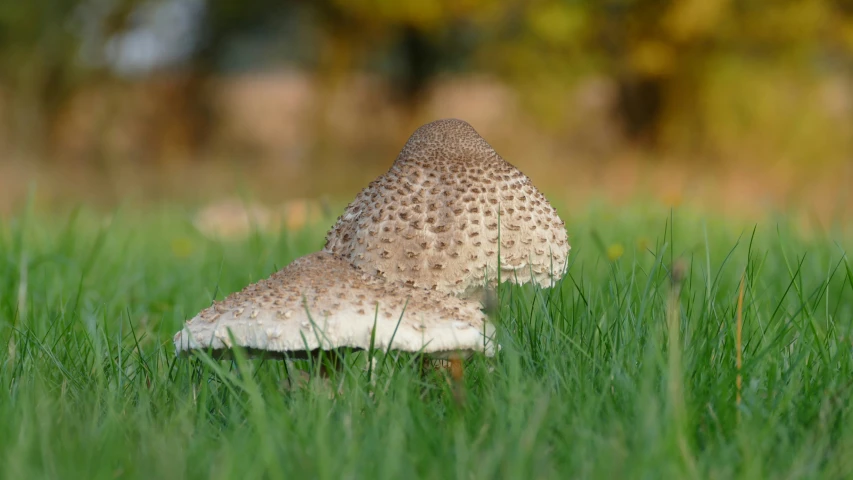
(37, 65)
(40, 63)
(421, 38)
(661, 54)
(224, 21)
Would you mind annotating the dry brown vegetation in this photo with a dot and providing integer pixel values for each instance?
(281, 135)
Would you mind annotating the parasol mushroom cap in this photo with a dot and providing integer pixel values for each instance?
(320, 301)
(447, 213)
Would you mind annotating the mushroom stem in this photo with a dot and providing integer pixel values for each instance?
(456, 369)
(456, 374)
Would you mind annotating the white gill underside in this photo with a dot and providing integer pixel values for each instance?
(345, 329)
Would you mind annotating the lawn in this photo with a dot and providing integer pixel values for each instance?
(628, 369)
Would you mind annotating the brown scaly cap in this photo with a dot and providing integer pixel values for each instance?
(320, 301)
(432, 220)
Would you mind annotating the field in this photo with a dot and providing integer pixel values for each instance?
(680, 345)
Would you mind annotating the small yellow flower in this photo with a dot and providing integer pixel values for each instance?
(182, 247)
(642, 244)
(615, 251)
(672, 198)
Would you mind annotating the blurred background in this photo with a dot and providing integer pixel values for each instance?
(742, 106)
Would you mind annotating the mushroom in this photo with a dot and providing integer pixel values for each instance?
(321, 302)
(447, 213)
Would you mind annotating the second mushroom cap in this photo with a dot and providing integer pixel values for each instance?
(447, 214)
(320, 301)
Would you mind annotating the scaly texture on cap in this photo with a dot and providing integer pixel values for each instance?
(432, 220)
(320, 301)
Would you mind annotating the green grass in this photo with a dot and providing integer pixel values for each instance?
(592, 381)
